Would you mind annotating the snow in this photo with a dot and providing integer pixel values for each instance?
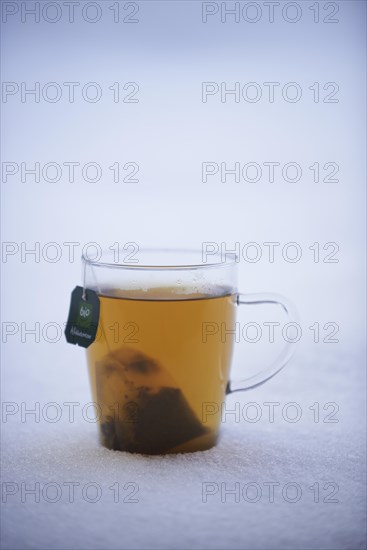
(179, 498)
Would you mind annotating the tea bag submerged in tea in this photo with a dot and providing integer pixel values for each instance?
(142, 410)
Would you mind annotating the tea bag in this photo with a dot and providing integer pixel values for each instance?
(142, 410)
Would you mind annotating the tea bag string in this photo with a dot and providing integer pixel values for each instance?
(84, 277)
(84, 295)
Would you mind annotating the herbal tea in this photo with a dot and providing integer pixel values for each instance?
(152, 371)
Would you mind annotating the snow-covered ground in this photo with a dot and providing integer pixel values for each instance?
(280, 484)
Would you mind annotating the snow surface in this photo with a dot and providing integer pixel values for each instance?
(170, 511)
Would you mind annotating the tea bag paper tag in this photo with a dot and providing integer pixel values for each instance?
(82, 324)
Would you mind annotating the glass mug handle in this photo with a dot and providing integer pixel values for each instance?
(285, 355)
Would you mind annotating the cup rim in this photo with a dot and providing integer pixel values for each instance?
(223, 261)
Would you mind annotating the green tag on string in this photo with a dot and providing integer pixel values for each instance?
(82, 324)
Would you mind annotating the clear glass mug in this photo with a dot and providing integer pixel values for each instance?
(158, 359)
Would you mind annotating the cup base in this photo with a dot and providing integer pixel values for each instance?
(201, 443)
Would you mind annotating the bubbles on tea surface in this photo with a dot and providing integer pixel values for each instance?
(192, 291)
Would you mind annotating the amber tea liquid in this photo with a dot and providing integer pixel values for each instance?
(153, 373)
